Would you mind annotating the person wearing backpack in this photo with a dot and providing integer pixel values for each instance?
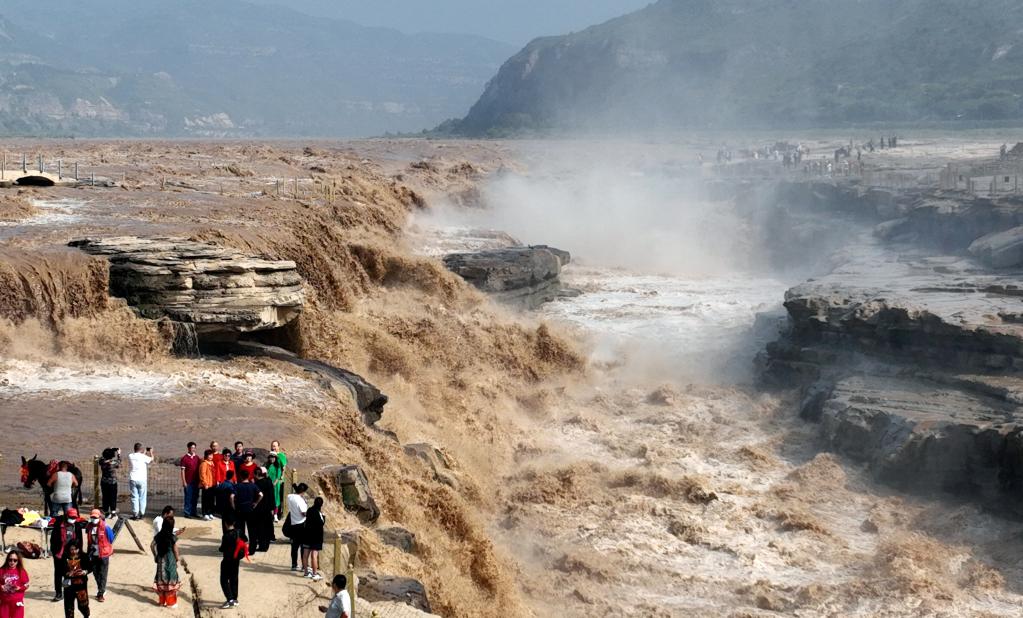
(295, 523)
(234, 548)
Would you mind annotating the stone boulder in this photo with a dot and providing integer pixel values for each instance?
(521, 276)
(352, 484)
(1001, 249)
(220, 291)
(398, 537)
(435, 461)
(382, 588)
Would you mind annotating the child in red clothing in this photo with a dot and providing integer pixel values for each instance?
(13, 584)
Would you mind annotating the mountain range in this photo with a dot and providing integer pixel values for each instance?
(225, 68)
(765, 63)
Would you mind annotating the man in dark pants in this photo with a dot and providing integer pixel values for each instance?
(190, 479)
(244, 500)
(67, 531)
(234, 548)
(101, 539)
(263, 514)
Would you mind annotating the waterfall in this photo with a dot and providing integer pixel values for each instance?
(186, 341)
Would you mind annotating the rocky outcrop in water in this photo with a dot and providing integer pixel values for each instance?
(222, 292)
(521, 276)
(909, 352)
(381, 588)
(353, 485)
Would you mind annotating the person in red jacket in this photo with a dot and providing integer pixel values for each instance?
(101, 538)
(13, 584)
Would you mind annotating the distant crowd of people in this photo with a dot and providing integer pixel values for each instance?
(247, 497)
(797, 156)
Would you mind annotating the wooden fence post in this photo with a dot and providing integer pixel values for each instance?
(337, 553)
(353, 591)
(95, 483)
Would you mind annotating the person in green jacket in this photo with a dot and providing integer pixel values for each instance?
(275, 467)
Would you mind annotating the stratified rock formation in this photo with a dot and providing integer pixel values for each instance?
(909, 352)
(522, 276)
(220, 291)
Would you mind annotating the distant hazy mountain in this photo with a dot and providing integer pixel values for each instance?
(514, 21)
(720, 63)
(225, 67)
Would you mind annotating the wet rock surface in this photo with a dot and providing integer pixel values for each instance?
(218, 290)
(909, 351)
(521, 276)
(353, 485)
(381, 588)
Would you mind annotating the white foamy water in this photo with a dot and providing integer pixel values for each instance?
(22, 378)
(52, 212)
(699, 325)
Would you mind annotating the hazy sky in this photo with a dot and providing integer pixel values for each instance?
(512, 21)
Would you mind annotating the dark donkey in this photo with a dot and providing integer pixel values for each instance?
(33, 470)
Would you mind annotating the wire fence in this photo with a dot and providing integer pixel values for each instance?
(163, 487)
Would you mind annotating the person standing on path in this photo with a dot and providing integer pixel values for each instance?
(101, 546)
(312, 540)
(207, 481)
(109, 464)
(165, 550)
(224, 491)
(233, 548)
(76, 582)
(278, 476)
(244, 500)
(63, 484)
(341, 605)
(138, 479)
(249, 465)
(190, 479)
(67, 532)
(263, 514)
(238, 456)
(295, 523)
(13, 584)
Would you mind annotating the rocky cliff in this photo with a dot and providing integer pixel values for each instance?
(713, 63)
(909, 352)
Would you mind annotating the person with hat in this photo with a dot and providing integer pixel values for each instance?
(67, 532)
(101, 546)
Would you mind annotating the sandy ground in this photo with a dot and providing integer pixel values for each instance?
(267, 586)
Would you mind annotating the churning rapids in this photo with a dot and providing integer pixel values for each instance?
(675, 488)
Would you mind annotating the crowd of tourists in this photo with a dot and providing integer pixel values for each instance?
(247, 496)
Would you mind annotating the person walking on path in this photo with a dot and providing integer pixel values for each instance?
(67, 533)
(190, 479)
(278, 475)
(165, 550)
(295, 523)
(206, 484)
(101, 545)
(263, 514)
(76, 582)
(63, 484)
(109, 464)
(312, 540)
(138, 479)
(13, 584)
(233, 548)
(341, 605)
(244, 500)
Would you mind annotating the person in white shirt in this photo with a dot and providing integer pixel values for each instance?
(138, 479)
(297, 507)
(341, 604)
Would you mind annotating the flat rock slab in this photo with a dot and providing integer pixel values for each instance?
(217, 289)
(926, 435)
(527, 276)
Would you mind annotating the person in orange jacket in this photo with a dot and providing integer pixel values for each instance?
(207, 481)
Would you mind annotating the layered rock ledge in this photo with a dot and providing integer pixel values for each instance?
(218, 290)
(522, 276)
(909, 352)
